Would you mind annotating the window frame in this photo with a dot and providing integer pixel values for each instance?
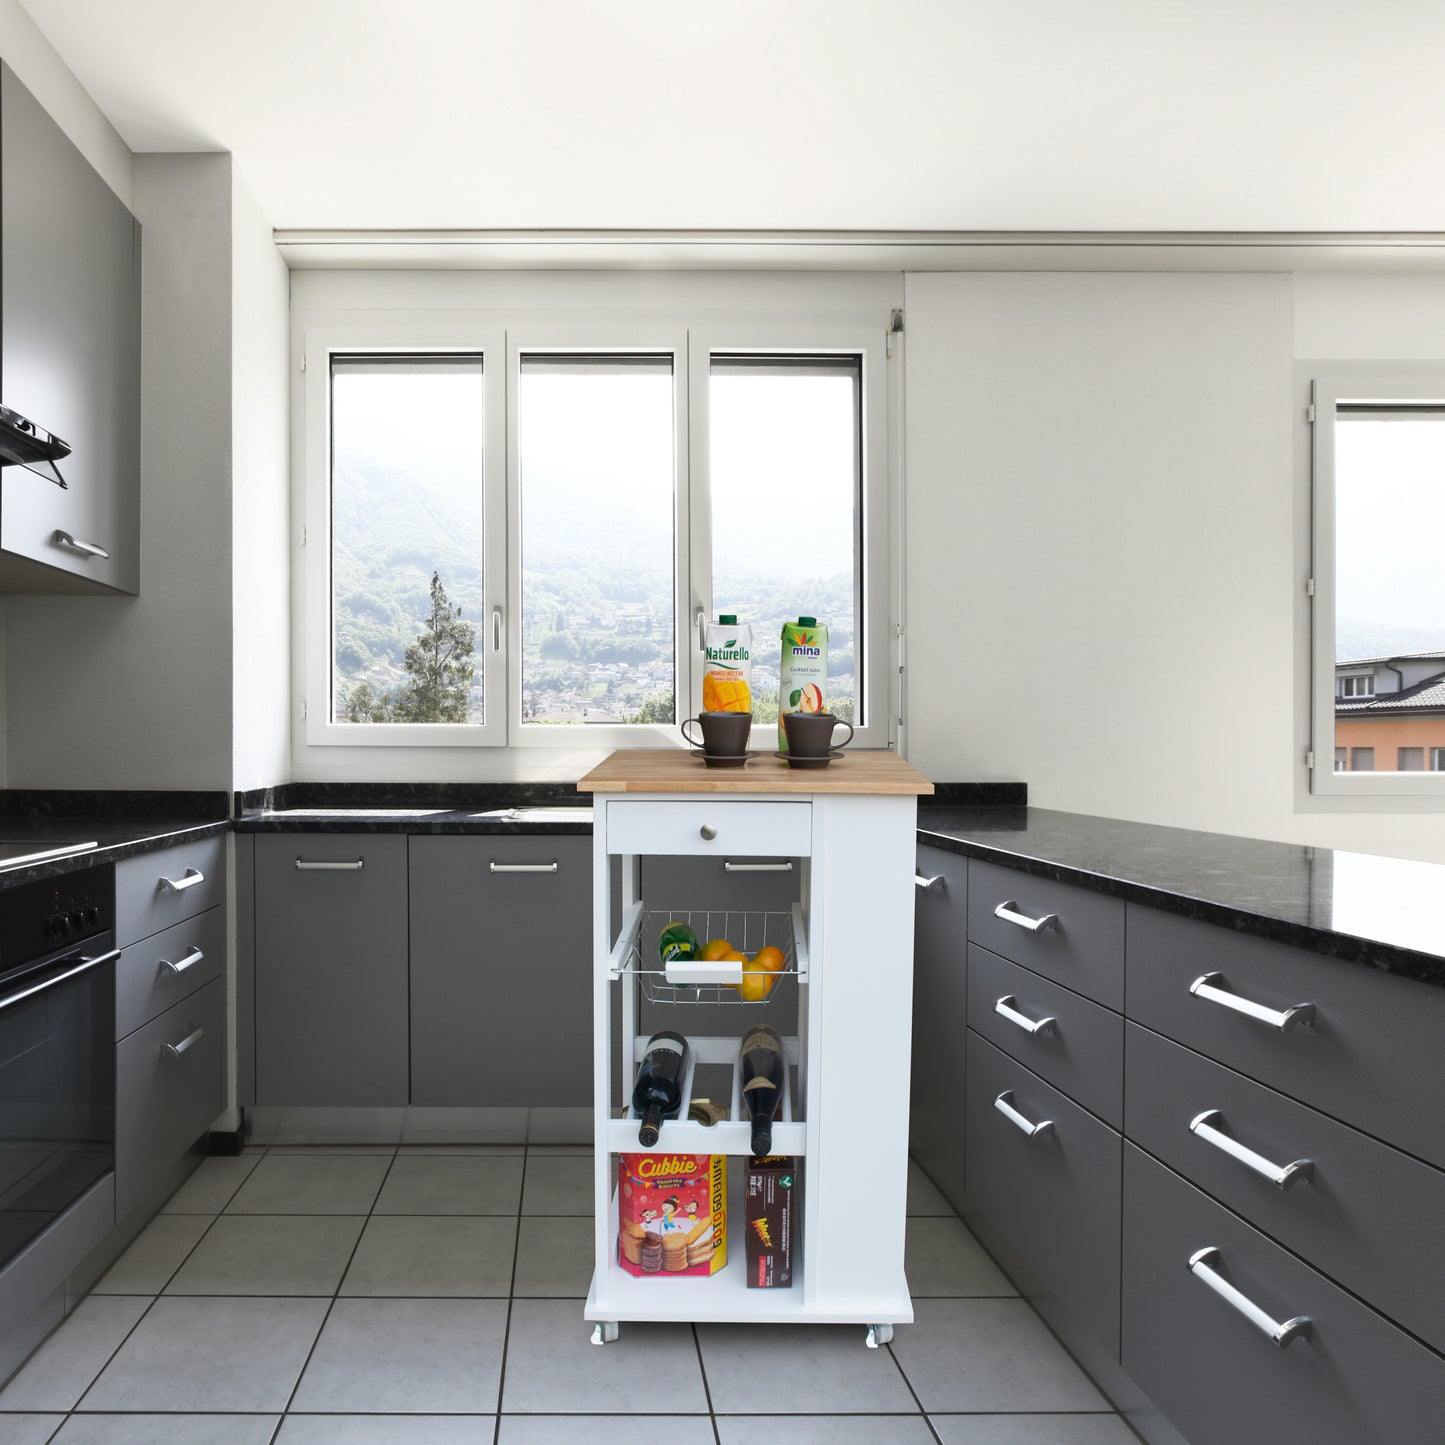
(391, 335)
(1329, 385)
(691, 334)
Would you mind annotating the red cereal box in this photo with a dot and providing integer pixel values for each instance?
(672, 1213)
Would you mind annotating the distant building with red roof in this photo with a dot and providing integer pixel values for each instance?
(1390, 714)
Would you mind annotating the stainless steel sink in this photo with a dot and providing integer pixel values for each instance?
(539, 815)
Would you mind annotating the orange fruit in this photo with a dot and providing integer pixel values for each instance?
(733, 956)
(770, 958)
(757, 982)
(714, 949)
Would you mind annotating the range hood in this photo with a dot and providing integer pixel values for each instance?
(24, 444)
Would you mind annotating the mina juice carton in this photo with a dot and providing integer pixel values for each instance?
(802, 671)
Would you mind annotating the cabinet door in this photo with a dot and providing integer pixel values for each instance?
(70, 278)
(331, 988)
(1053, 1195)
(940, 1014)
(501, 976)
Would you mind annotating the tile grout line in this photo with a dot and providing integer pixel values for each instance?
(706, 1389)
(511, 1297)
(336, 1293)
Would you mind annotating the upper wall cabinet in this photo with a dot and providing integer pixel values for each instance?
(69, 359)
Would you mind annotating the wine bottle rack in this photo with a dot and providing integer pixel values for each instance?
(732, 1135)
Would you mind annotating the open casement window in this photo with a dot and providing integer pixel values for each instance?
(405, 556)
(1378, 651)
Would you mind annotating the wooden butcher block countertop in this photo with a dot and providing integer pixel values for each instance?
(674, 770)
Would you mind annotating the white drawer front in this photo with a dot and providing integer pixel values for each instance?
(772, 830)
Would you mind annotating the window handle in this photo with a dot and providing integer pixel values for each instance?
(496, 629)
(700, 618)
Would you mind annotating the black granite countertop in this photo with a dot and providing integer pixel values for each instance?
(1384, 913)
(120, 824)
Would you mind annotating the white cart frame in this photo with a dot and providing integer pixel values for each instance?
(853, 934)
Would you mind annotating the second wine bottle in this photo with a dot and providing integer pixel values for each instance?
(657, 1094)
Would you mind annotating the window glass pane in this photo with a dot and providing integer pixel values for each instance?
(1362, 760)
(598, 481)
(406, 539)
(785, 437)
(1389, 585)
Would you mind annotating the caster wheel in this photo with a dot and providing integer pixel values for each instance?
(604, 1332)
(879, 1335)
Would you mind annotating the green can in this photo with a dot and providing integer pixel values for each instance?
(677, 940)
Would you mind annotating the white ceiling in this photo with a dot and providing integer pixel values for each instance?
(897, 115)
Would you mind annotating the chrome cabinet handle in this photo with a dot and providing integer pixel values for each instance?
(523, 867)
(1207, 986)
(188, 879)
(174, 1051)
(1004, 1104)
(707, 832)
(87, 549)
(325, 865)
(927, 884)
(1201, 1266)
(1008, 911)
(730, 867)
(1206, 1126)
(1007, 1008)
(182, 964)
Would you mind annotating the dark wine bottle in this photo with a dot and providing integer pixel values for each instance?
(764, 1075)
(657, 1094)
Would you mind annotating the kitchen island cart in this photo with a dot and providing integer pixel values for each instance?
(847, 942)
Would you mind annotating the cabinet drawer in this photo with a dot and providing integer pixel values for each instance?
(146, 983)
(1355, 1215)
(772, 830)
(1083, 948)
(1218, 1377)
(165, 1101)
(1372, 1056)
(1055, 1196)
(940, 1013)
(146, 899)
(1081, 1052)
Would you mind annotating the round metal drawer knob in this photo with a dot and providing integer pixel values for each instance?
(708, 832)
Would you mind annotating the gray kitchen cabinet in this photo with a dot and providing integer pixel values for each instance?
(936, 1132)
(1053, 1194)
(1217, 1374)
(69, 359)
(501, 951)
(330, 977)
(169, 1088)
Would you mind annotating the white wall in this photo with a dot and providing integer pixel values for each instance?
(260, 498)
(109, 692)
(32, 57)
(1103, 512)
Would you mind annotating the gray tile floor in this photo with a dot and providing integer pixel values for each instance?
(433, 1297)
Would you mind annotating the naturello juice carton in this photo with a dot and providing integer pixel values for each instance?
(727, 679)
(802, 671)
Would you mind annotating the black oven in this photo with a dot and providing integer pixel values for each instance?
(57, 1048)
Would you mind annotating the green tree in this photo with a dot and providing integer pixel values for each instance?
(364, 704)
(439, 665)
(655, 709)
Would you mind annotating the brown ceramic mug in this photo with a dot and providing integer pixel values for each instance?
(810, 734)
(724, 734)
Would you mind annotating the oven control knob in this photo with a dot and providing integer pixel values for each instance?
(77, 919)
(92, 915)
(60, 924)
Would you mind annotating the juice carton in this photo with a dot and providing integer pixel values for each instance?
(802, 671)
(672, 1213)
(771, 1209)
(727, 679)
